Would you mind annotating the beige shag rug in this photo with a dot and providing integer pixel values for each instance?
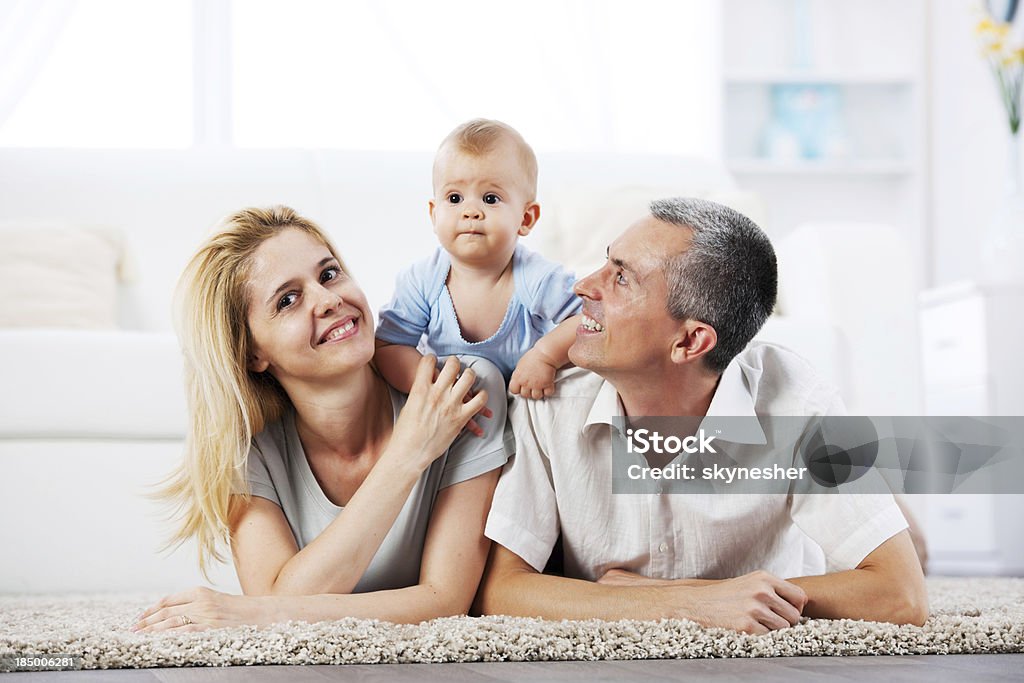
(976, 616)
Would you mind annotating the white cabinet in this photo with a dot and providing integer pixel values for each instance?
(972, 353)
(849, 77)
(973, 364)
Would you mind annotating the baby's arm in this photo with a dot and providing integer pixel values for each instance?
(534, 376)
(397, 364)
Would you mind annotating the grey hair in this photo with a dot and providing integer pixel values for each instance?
(727, 278)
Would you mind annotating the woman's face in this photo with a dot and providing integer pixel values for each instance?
(308, 319)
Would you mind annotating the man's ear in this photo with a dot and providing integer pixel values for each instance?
(530, 216)
(694, 340)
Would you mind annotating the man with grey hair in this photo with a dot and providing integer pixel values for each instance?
(667, 329)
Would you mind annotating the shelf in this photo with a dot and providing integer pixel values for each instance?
(828, 167)
(820, 77)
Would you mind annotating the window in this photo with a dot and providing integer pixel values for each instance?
(97, 73)
(371, 74)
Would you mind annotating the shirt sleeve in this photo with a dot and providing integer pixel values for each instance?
(549, 290)
(405, 318)
(257, 474)
(470, 455)
(524, 511)
(848, 527)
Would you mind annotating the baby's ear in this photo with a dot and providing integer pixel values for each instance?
(430, 209)
(530, 216)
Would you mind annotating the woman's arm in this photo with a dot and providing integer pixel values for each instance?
(265, 554)
(454, 554)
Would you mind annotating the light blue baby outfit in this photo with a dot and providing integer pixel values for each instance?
(421, 313)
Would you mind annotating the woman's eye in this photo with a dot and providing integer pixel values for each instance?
(286, 300)
(329, 274)
(491, 198)
(454, 198)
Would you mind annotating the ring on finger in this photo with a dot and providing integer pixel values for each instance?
(185, 621)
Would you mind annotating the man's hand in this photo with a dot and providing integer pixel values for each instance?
(754, 603)
(534, 376)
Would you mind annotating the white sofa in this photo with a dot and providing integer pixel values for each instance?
(90, 419)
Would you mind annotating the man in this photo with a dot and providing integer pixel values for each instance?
(667, 322)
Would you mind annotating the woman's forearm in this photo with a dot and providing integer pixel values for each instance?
(410, 605)
(336, 559)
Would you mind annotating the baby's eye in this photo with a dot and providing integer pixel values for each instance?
(332, 273)
(491, 198)
(454, 198)
(286, 300)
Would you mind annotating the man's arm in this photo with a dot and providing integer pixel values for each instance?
(755, 603)
(888, 585)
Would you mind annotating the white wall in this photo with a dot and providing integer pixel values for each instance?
(969, 138)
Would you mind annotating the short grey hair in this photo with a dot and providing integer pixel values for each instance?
(727, 278)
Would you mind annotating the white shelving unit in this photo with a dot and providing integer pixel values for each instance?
(871, 53)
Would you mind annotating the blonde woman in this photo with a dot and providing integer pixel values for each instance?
(338, 495)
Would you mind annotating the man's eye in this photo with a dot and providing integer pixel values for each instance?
(491, 198)
(454, 198)
(286, 300)
(332, 273)
(621, 279)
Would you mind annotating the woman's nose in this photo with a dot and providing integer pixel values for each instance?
(328, 301)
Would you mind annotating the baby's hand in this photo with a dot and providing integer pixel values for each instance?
(534, 377)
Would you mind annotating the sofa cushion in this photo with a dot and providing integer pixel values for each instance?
(57, 276)
(91, 384)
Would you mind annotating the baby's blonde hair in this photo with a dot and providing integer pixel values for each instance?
(227, 403)
(480, 136)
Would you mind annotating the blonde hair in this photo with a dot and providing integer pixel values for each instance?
(228, 404)
(480, 136)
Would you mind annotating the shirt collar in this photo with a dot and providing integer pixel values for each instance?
(733, 399)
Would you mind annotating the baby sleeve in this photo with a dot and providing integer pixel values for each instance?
(406, 317)
(549, 289)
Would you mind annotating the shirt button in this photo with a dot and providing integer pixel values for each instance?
(663, 547)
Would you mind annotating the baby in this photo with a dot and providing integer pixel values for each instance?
(481, 293)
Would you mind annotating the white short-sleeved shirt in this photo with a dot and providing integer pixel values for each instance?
(277, 470)
(422, 309)
(561, 480)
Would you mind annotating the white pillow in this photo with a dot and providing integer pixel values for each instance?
(578, 223)
(58, 276)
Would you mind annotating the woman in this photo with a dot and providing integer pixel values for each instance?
(338, 495)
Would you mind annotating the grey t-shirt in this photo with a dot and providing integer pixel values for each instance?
(277, 470)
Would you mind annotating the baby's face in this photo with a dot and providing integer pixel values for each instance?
(481, 204)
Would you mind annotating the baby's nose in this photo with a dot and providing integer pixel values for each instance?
(472, 211)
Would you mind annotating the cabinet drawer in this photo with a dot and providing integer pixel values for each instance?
(968, 398)
(953, 341)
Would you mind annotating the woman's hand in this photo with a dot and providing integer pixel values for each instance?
(436, 411)
(202, 608)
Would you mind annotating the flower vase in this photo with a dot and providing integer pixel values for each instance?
(1002, 249)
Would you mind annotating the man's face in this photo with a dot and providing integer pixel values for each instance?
(626, 324)
(480, 203)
